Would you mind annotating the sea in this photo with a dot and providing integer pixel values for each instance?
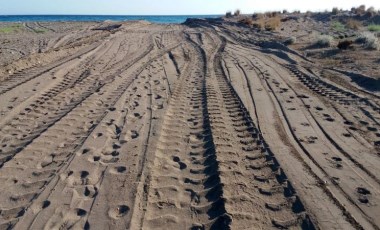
(60, 18)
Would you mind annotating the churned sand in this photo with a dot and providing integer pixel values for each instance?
(204, 125)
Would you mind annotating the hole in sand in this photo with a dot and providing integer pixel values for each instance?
(84, 174)
(115, 153)
(85, 151)
(364, 200)
(373, 129)
(118, 211)
(81, 212)
(46, 204)
(363, 191)
(336, 158)
(176, 159)
(121, 169)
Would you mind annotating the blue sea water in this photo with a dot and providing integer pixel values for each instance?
(57, 18)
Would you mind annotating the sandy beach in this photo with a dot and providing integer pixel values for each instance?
(208, 124)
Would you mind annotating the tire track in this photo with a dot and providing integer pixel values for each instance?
(55, 110)
(270, 196)
(19, 78)
(315, 197)
(102, 166)
(195, 174)
(346, 195)
(88, 116)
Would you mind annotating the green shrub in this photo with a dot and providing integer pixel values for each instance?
(10, 28)
(374, 28)
(324, 41)
(338, 26)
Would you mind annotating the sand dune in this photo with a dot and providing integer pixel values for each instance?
(181, 127)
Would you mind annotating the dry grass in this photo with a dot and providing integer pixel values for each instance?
(324, 41)
(369, 41)
(269, 21)
(353, 24)
(247, 21)
(259, 23)
(273, 23)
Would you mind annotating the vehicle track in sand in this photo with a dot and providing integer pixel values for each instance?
(183, 127)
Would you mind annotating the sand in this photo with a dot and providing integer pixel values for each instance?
(205, 125)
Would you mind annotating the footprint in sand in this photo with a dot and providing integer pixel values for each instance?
(118, 170)
(118, 211)
(94, 158)
(157, 96)
(136, 115)
(80, 212)
(364, 123)
(90, 191)
(318, 108)
(372, 129)
(83, 152)
(110, 122)
(347, 135)
(363, 194)
(132, 134)
(77, 178)
(337, 161)
(45, 204)
(159, 106)
(98, 135)
(348, 123)
(108, 160)
(182, 165)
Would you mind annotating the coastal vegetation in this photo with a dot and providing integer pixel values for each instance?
(11, 28)
(374, 27)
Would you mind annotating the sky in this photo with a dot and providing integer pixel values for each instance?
(169, 7)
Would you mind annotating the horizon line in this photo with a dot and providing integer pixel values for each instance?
(111, 14)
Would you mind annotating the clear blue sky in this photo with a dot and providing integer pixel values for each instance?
(168, 7)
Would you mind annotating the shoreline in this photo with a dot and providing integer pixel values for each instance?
(165, 19)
